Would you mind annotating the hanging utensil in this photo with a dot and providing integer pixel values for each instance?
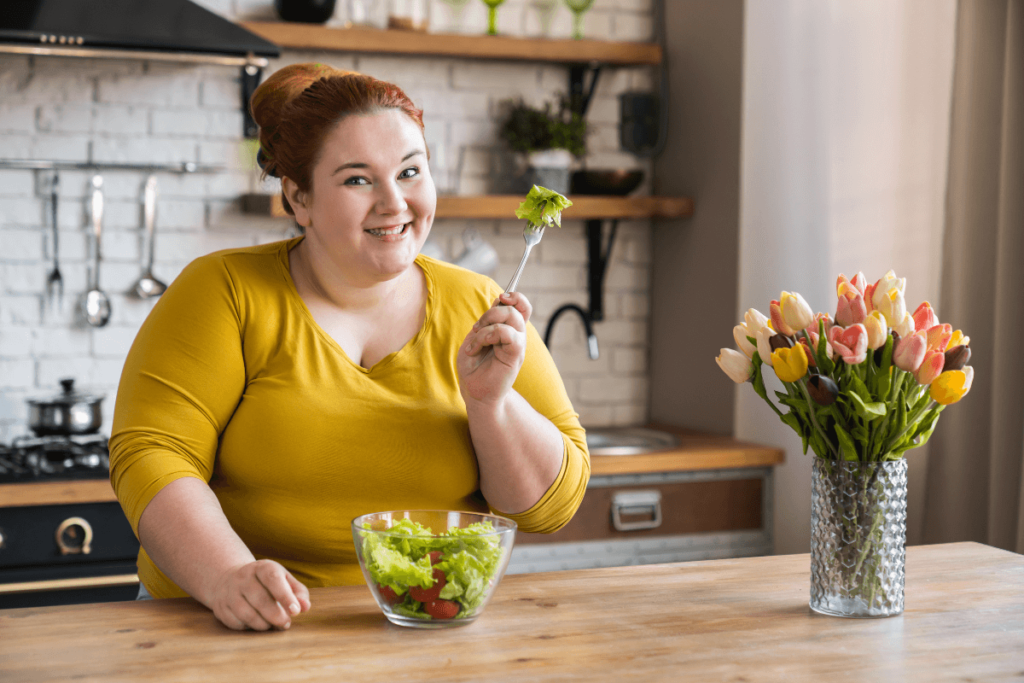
(148, 285)
(97, 303)
(54, 281)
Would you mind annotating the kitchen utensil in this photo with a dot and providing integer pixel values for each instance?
(97, 303)
(479, 255)
(473, 563)
(618, 182)
(148, 285)
(54, 281)
(68, 413)
(532, 235)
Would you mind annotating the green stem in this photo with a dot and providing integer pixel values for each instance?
(492, 21)
(912, 421)
(814, 418)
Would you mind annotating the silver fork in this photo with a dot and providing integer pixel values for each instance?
(532, 235)
(54, 281)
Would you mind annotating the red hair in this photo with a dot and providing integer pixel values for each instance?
(300, 104)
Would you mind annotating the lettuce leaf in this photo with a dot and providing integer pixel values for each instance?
(542, 208)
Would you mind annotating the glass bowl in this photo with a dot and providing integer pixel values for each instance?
(432, 568)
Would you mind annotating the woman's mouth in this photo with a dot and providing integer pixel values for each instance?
(391, 234)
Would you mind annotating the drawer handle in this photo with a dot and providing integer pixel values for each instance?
(74, 536)
(636, 503)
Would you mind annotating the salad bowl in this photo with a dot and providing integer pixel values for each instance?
(432, 568)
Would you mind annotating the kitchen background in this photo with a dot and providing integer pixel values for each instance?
(147, 112)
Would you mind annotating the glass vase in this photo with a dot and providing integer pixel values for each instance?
(858, 537)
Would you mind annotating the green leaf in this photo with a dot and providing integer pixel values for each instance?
(758, 382)
(793, 421)
(859, 387)
(846, 446)
(867, 411)
(542, 207)
(824, 362)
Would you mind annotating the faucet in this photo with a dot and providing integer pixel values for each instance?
(585, 317)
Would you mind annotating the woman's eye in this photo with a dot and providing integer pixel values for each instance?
(410, 172)
(357, 180)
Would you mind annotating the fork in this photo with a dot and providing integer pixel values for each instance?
(54, 281)
(532, 235)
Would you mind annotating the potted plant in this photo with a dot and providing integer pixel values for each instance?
(546, 140)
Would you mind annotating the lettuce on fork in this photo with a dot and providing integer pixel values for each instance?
(543, 207)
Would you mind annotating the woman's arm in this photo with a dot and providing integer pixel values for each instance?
(185, 532)
(519, 451)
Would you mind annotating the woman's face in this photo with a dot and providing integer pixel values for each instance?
(373, 200)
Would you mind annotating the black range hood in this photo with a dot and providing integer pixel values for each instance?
(176, 30)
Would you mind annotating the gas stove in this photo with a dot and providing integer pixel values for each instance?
(54, 458)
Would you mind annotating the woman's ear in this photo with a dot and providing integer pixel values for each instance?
(298, 201)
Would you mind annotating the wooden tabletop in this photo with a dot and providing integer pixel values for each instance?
(724, 620)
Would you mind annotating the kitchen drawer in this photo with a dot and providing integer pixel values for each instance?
(705, 505)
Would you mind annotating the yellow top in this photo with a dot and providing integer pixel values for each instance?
(231, 381)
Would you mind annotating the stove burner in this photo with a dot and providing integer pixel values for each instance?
(54, 457)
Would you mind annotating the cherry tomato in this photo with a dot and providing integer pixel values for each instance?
(441, 609)
(388, 594)
(435, 556)
(432, 593)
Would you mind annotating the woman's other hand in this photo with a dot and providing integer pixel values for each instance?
(493, 351)
(260, 595)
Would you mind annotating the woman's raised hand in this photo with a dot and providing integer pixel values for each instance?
(493, 351)
(260, 595)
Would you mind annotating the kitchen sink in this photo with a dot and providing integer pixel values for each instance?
(628, 440)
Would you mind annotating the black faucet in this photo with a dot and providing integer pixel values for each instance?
(585, 317)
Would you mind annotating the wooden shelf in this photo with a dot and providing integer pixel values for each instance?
(395, 42)
(56, 492)
(504, 207)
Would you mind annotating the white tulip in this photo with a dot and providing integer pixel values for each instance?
(737, 366)
(906, 326)
(764, 348)
(739, 334)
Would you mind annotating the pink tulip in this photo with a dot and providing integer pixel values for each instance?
(851, 309)
(822, 317)
(855, 286)
(869, 293)
(924, 317)
(814, 342)
(860, 282)
(851, 343)
(909, 352)
(778, 322)
(938, 336)
(931, 367)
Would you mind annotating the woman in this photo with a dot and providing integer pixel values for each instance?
(277, 392)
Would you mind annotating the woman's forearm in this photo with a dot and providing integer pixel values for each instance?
(184, 531)
(519, 452)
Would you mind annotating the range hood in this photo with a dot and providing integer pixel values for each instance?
(169, 30)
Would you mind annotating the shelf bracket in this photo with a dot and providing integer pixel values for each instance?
(251, 77)
(580, 96)
(597, 265)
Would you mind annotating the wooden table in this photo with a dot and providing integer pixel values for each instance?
(725, 620)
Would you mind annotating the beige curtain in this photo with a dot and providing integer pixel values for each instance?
(975, 481)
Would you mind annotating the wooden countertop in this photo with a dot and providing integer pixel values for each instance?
(697, 451)
(725, 620)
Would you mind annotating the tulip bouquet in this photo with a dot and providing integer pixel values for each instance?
(866, 385)
(861, 388)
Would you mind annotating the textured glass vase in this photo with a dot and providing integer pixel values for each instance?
(858, 537)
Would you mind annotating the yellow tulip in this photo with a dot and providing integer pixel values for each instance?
(790, 364)
(958, 339)
(949, 387)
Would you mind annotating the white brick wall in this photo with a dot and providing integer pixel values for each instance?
(130, 111)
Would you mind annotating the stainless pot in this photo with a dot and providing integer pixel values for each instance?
(66, 414)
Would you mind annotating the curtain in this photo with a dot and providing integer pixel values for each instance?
(975, 487)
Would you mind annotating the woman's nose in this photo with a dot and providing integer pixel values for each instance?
(390, 200)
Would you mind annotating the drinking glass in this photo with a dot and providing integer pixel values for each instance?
(454, 11)
(545, 12)
(492, 16)
(578, 8)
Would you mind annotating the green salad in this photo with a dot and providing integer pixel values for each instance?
(429, 576)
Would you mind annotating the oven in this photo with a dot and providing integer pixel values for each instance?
(63, 536)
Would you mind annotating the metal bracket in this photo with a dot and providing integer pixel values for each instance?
(580, 96)
(251, 77)
(597, 264)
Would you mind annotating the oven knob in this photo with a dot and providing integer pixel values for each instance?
(74, 536)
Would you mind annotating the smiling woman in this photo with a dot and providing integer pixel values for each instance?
(277, 392)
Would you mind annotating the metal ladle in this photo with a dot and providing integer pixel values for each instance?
(148, 285)
(54, 281)
(97, 303)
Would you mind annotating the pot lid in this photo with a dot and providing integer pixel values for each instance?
(68, 395)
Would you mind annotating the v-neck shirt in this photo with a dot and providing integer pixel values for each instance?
(232, 381)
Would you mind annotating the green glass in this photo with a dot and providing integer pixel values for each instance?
(578, 8)
(492, 16)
